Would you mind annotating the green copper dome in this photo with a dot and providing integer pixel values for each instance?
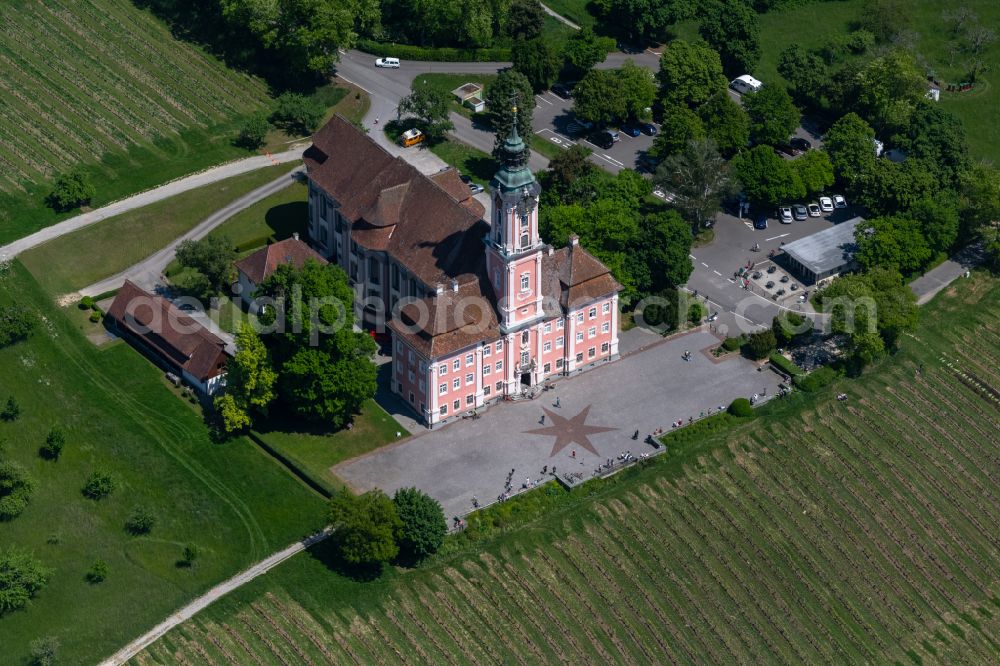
(514, 173)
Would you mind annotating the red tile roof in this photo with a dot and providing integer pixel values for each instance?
(177, 338)
(445, 323)
(261, 264)
(428, 229)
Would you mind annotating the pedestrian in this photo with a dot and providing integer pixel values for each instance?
(542, 420)
(635, 435)
(376, 120)
(557, 403)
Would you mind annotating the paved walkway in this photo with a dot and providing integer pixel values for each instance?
(164, 191)
(560, 17)
(187, 612)
(643, 391)
(930, 283)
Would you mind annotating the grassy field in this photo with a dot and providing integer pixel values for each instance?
(231, 500)
(977, 109)
(104, 84)
(473, 162)
(574, 10)
(314, 454)
(83, 257)
(818, 532)
(277, 217)
(445, 83)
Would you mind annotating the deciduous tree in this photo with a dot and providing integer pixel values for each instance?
(16, 487)
(690, 73)
(365, 528)
(525, 19)
(850, 142)
(250, 381)
(773, 116)
(731, 27)
(431, 107)
(679, 126)
(72, 190)
(815, 171)
(253, 131)
(699, 179)
(538, 60)
(21, 578)
(297, 114)
(211, 256)
(895, 242)
(767, 178)
(726, 123)
(16, 324)
(584, 49)
(423, 523)
(596, 97)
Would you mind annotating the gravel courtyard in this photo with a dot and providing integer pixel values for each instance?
(643, 391)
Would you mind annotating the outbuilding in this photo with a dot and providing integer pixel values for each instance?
(823, 254)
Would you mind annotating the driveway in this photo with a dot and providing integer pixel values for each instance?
(643, 391)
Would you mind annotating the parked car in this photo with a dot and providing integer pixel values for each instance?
(760, 221)
(615, 136)
(603, 139)
(814, 210)
(826, 204)
(392, 63)
(646, 163)
(769, 285)
(839, 201)
(784, 279)
(649, 129)
(799, 212)
(579, 126)
(631, 130)
(800, 144)
(474, 187)
(784, 148)
(785, 215)
(772, 268)
(562, 90)
(757, 275)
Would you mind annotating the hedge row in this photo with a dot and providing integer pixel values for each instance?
(786, 366)
(443, 54)
(816, 379)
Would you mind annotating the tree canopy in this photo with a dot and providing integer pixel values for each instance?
(525, 19)
(767, 178)
(72, 190)
(250, 381)
(610, 95)
(726, 123)
(538, 60)
(211, 256)
(16, 487)
(773, 116)
(423, 523)
(690, 73)
(699, 179)
(431, 107)
(584, 49)
(21, 578)
(732, 28)
(365, 528)
(895, 242)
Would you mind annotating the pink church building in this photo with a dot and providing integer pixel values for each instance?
(479, 309)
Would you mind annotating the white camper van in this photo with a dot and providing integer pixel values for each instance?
(387, 62)
(745, 84)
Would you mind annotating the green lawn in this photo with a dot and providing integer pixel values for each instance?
(445, 83)
(235, 503)
(816, 532)
(272, 219)
(574, 10)
(473, 162)
(315, 453)
(83, 257)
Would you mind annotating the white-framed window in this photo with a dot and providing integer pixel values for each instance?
(487, 350)
(579, 336)
(579, 317)
(606, 308)
(487, 389)
(592, 313)
(592, 352)
(456, 383)
(592, 332)
(457, 405)
(559, 324)
(469, 378)
(559, 363)
(423, 385)
(470, 399)
(443, 369)
(525, 336)
(444, 410)
(499, 346)
(547, 346)
(456, 364)
(470, 359)
(525, 281)
(548, 327)
(525, 241)
(499, 366)
(524, 359)
(442, 389)
(605, 347)
(559, 342)
(499, 386)
(606, 327)
(487, 369)
(547, 368)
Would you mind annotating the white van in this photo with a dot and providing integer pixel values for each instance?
(745, 84)
(387, 62)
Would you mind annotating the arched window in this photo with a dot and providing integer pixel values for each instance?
(524, 336)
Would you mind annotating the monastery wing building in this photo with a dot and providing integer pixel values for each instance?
(479, 309)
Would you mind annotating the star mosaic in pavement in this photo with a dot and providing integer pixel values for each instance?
(569, 431)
